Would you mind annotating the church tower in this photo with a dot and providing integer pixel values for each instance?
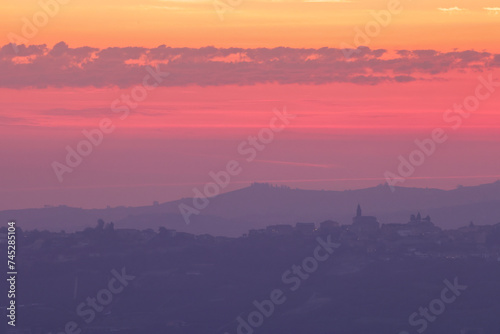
(364, 224)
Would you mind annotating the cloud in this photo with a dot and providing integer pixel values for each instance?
(61, 66)
(492, 10)
(150, 111)
(331, 1)
(452, 9)
(8, 120)
(300, 164)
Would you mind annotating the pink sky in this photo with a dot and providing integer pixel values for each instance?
(345, 136)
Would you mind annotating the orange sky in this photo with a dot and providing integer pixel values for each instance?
(437, 24)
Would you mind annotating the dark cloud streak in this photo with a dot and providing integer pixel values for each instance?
(61, 66)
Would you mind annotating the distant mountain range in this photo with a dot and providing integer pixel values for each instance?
(259, 205)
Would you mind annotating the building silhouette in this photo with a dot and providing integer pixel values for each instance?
(364, 222)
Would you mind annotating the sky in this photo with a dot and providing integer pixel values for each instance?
(173, 90)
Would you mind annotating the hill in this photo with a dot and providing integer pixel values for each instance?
(260, 205)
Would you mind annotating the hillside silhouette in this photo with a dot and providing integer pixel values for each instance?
(261, 204)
